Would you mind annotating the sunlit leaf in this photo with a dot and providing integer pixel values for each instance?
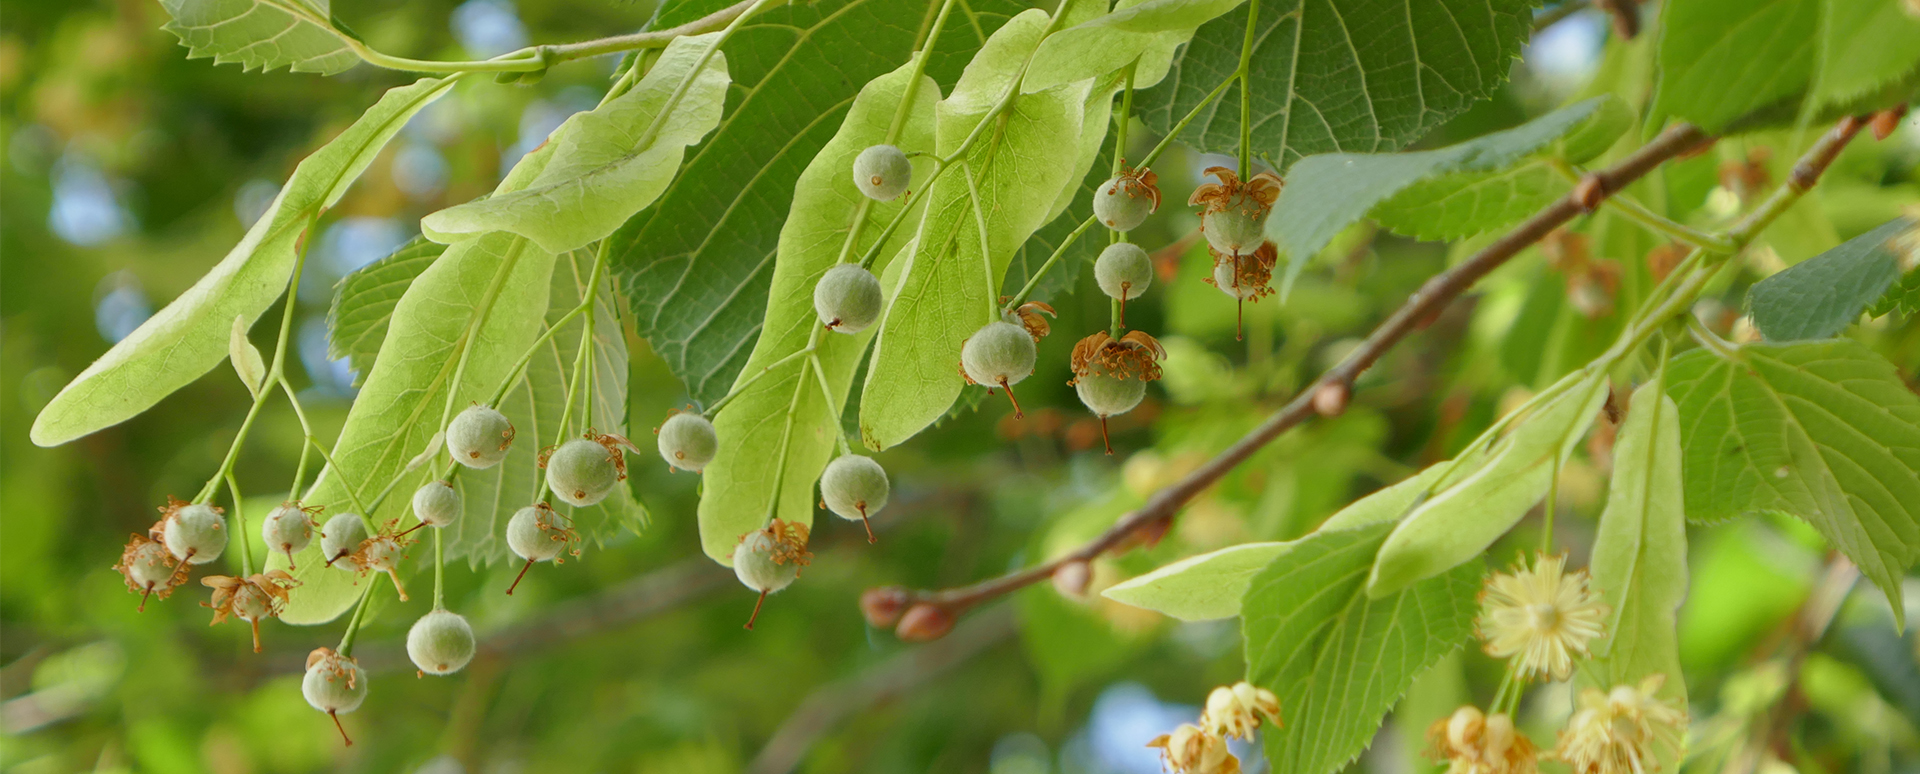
(300, 35)
(190, 336)
(607, 163)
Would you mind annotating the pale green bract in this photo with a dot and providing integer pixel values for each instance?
(499, 278)
(608, 163)
(1822, 430)
(947, 286)
(739, 486)
(1325, 194)
(1639, 560)
(1211, 585)
(695, 266)
(1363, 76)
(1148, 30)
(190, 336)
(363, 303)
(297, 34)
(1471, 510)
(490, 496)
(1337, 657)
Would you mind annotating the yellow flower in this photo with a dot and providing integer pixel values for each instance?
(1615, 732)
(1235, 711)
(1543, 615)
(1472, 743)
(1192, 750)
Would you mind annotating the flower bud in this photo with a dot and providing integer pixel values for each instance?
(882, 606)
(924, 622)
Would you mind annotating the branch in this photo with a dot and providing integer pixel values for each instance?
(834, 702)
(1327, 395)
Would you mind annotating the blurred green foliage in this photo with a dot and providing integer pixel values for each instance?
(128, 170)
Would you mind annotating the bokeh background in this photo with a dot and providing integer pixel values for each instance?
(129, 170)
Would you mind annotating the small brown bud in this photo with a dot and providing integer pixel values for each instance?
(1331, 399)
(1886, 121)
(1589, 192)
(924, 623)
(1072, 579)
(882, 605)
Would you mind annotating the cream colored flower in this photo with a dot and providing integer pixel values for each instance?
(1192, 750)
(1473, 743)
(1543, 615)
(1235, 710)
(1615, 732)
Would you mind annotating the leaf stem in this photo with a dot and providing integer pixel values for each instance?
(1244, 74)
(743, 385)
(353, 624)
(1177, 128)
(439, 572)
(240, 525)
(1034, 281)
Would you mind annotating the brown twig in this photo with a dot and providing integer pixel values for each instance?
(832, 703)
(1152, 519)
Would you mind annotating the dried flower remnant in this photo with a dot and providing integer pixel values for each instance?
(1472, 743)
(382, 553)
(1235, 711)
(149, 569)
(1542, 615)
(1030, 319)
(257, 596)
(769, 559)
(538, 533)
(1110, 376)
(1193, 750)
(1245, 277)
(1615, 732)
(1233, 214)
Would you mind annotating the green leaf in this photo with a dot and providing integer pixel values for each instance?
(297, 34)
(1211, 585)
(490, 497)
(608, 163)
(1338, 658)
(1722, 60)
(762, 466)
(247, 363)
(1366, 76)
(1493, 491)
(1821, 296)
(1461, 205)
(695, 266)
(1639, 563)
(948, 286)
(1903, 297)
(1864, 45)
(189, 337)
(1148, 31)
(1823, 430)
(1325, 194)
(363, 303)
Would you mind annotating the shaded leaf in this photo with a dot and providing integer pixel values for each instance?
(1821, 296)
(1325, 194)
(1823, 430)
(1365, 76)
(1461, 205)
(190, 336)
(1338, 658)
(1864, 45)
(363, 303)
